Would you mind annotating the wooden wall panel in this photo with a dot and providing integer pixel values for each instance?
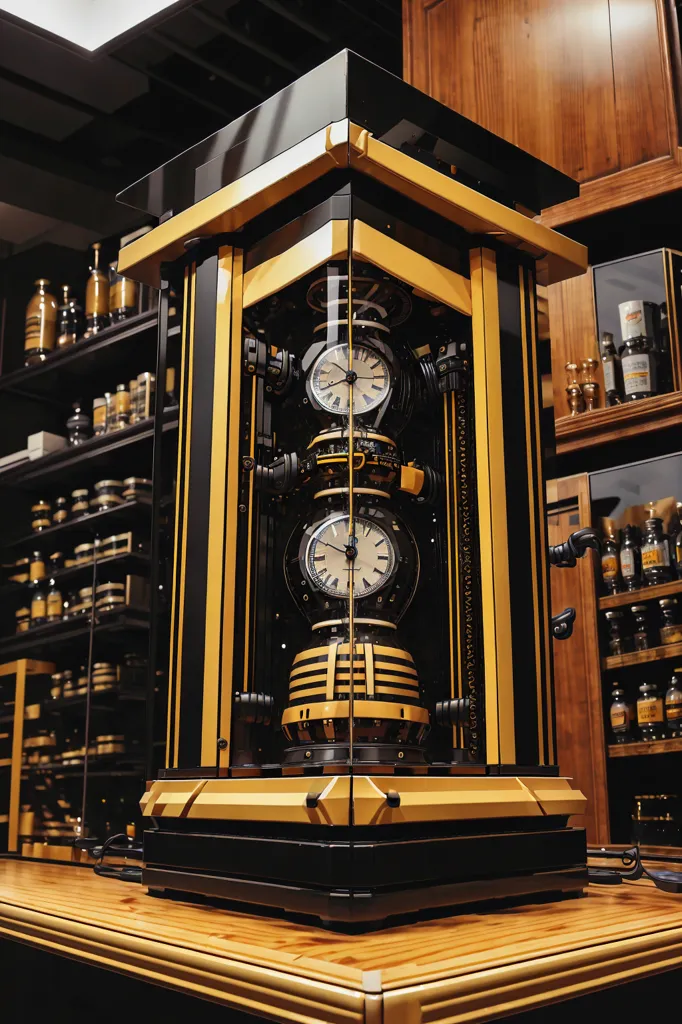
(582, 84)
(573, 331)
(577, 676)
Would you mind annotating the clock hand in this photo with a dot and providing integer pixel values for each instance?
(342, 380)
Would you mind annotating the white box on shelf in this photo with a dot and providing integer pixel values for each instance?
(43, 443)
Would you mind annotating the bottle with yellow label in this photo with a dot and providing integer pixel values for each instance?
(610, 564)
(41, 324)
(38, 607)
(54, 604)
(621, 716)
(650, 713)
(673, 704)
(655, 550)
(96, 297)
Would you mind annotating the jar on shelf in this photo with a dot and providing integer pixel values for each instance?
(67, 683)
(84, 553)
(96, 297)
(641, 633)
(61, 511)
(36, 567)
(137, 488)
(618, 642)
(657, 819)
(146, 389)
(56, 683)
(109, 404)
(84, 606)
(630, 558)
(621, 716)
(41, 324)
(673, 705)
(99, 416)
(123, 295)
(78, 426)
(110, 597)
(650, 719)
(104, 675)
(55, 604)
(20, 573)
(118, 544)
(38, 607)
(56, 560)
(69, 320)
(121, 415)
(132, 389)
(41, 516)
(111, 743)
(108, 494)
(655, 551)
(671, 630)
(80, 505)
(610, 564)
(23, 619)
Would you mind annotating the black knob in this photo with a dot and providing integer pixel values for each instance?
(312, 799)
(393, 798)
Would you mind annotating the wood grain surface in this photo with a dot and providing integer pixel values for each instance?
(473, 966)
(652, 593)
(631, 419)
(646, 748)
(665, 652)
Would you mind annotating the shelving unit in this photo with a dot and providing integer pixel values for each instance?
(670, 746)
(40, 397)
(603, 426)
(664, 653)
(643, 594)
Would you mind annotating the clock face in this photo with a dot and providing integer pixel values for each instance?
(329, 383)
(329, 566)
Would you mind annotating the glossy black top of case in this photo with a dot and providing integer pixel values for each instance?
(349, 86)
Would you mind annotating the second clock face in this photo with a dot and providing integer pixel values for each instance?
(330, 380)
(329, 567)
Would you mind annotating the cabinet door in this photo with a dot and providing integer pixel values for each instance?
(582, 84)
(577, 676)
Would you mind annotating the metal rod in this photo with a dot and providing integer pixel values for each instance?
(296, 19)
(245, 40)
(175, 87)
(88, 692)
(213, 69)
(155, 545)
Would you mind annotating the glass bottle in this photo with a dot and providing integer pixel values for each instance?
(38, 607)
(650, 713)
(70, 321)
(121, 407)
(641, 634)
(655, 550)
(630, 558)
(612, 370)
(610, 566)
(673, 705)
(61, 511)
(638, 359)
(96, 297)
(123, 295)
(54, 604)
(36, 567)
(618, 644)
(78, 426)
(671, 630)
(620, 715)
(99, 416)
(41, 324)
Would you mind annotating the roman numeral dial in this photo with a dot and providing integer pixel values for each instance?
(331, 378)
(333, 558)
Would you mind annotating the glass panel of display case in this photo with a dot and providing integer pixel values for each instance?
(633, 299)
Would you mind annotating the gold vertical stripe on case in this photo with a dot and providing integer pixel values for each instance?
(538, 611)
(331, 671)
(17, 752)
(492, 507)
(542, 520)
(232, 510)
(249, 540)
(216, 514)
(369, 669)
(183, 495)
(446, 436)
(176, 527)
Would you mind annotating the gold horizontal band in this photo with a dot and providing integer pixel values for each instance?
(356, 490)
(358, 688)
(356, 620)
(344, 649)
(327, 243)
(361, 709)
(338, 435)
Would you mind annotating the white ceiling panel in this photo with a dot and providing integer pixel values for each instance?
(38, 113)
(103, 82)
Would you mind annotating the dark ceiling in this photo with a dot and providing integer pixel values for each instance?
(75, 130)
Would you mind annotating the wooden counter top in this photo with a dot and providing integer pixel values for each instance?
(469, 967)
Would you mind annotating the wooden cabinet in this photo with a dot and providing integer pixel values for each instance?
(586, 85)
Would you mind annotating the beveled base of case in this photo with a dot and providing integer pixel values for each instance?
(358, 879)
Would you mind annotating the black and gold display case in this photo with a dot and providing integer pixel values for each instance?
(361, 717)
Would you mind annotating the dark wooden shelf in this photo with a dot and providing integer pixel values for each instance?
(99, 700)
(69, 632)
(128, 562)
(640, 749)
(643, 594)
(664, 653)
(93, 525)
(71, 464)
(89, 363)
(588, 429)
